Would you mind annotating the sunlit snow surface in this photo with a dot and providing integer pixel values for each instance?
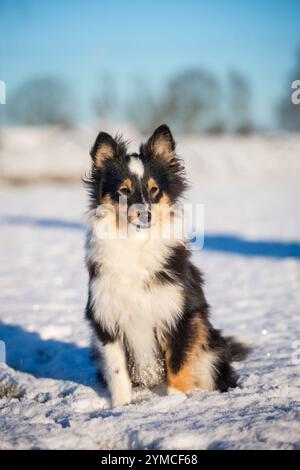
(252, 272)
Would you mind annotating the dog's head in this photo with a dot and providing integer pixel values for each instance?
(137, 182)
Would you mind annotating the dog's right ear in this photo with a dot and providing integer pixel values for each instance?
(104, 148)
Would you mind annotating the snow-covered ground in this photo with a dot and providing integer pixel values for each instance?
(51, 399)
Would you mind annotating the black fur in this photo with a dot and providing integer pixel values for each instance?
(106, 180)
(168, 171)
(180, 268)
(102, 334)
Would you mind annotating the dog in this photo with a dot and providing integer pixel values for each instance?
(146, 305)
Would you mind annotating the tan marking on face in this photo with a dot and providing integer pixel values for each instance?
(165, 200)
(127, 183)
(197, 370)
(162, 212)
(133, 215)
(108, 201)
(152, 184)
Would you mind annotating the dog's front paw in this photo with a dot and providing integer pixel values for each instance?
(120, 400)
(121, 397)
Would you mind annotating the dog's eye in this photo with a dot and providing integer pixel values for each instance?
(124, 190)
(154, 190)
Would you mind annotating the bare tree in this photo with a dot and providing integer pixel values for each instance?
(105, 99)
(289, 112)
(192, 101)
(239, 119)
(189, 103)
(144, 109)
(44, 100)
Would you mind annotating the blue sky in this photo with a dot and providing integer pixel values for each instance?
(78, 40)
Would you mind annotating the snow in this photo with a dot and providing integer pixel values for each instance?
(59, 154)
(51, 398)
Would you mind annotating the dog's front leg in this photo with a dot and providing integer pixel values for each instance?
(117, 373)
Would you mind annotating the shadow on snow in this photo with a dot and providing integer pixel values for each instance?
(48, 358)
(213, 242)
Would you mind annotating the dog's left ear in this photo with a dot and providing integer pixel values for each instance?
(161, 143)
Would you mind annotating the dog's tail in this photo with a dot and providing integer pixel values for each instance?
(238, 351)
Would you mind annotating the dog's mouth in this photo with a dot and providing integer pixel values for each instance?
(139, 227)
(142, 220)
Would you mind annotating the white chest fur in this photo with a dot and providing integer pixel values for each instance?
(126, 298)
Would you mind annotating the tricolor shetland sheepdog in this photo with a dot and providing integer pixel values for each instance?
(146, 305)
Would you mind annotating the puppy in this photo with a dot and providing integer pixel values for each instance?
(146, 305)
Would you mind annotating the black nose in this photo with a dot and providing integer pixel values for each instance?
(145, 217)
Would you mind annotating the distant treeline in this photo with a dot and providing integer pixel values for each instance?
(192, 101)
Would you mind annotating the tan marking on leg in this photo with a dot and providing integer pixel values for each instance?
(197, 370)
(203, 370)
(182, 380)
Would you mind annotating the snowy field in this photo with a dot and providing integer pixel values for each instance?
(49, 396)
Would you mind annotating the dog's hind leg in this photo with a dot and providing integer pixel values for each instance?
(189, 361)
